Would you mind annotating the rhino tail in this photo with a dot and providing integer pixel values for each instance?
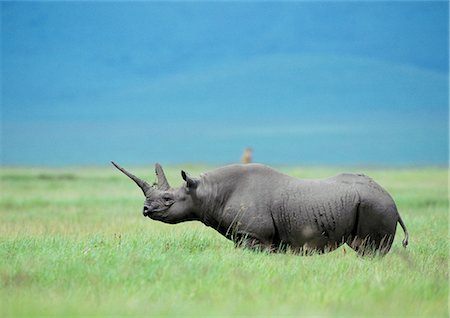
(405, 240)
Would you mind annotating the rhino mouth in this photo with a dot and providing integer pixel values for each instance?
(157, 215)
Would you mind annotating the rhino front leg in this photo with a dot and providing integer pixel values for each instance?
(251, 241)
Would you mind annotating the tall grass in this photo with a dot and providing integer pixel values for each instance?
(74, 242)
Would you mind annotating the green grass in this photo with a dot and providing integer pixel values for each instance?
(74, 242)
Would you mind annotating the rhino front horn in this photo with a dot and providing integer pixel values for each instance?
(141, 183)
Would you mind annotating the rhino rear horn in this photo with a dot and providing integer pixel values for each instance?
(163, 184)
(141, 183)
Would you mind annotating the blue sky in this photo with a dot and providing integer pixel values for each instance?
(301, 82)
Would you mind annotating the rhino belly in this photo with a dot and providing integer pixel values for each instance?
(318, 223)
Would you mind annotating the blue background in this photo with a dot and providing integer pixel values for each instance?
(341, 83)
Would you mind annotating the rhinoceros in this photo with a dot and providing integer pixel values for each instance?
(260, 208)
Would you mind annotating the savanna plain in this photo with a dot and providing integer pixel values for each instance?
(73, 241)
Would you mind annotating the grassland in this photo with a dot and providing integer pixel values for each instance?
(74, 242)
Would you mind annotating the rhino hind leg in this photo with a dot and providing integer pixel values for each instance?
(374, 229)
(369, 245)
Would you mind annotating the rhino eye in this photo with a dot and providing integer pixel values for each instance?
(168, 200)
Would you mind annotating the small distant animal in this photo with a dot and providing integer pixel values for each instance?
(260, 208)
(247, 155)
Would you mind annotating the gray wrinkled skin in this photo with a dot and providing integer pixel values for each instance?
(260, 208)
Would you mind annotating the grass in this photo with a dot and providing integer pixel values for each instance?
(74, 242)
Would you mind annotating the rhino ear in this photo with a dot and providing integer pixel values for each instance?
(190, 182)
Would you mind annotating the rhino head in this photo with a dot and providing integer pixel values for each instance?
(164, 203)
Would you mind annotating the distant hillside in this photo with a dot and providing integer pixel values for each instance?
(291, 109)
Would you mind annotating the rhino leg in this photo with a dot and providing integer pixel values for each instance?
(374, 229)
(252, 242)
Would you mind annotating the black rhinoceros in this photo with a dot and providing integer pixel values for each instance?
(259, 207)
